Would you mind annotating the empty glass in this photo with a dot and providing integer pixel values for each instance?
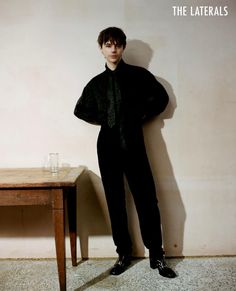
(54, 162)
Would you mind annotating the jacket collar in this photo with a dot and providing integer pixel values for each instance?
(118, 69)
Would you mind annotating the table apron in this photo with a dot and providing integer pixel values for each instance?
(17, 197)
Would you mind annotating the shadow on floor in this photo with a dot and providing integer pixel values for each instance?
(103, 275)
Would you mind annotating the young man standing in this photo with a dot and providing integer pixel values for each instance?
(120, 100)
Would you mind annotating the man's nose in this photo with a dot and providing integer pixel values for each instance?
(113, 48)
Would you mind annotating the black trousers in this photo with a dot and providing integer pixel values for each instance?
(117, 157)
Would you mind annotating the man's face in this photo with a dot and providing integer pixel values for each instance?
(112, 52)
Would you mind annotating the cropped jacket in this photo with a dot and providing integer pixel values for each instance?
(142, 97)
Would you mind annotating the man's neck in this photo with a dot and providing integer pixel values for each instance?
(113, 66)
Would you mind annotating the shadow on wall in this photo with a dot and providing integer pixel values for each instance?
(26, 221)
(92, 212)
(171, 206)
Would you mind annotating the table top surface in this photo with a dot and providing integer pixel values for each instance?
(38, 177)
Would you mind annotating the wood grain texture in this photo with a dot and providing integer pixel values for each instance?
(38, 177)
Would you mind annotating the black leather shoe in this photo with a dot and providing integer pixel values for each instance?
(121, 265)
(164, 270)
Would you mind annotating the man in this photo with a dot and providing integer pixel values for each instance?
(120, 100)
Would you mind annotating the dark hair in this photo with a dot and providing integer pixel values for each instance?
(114, 34)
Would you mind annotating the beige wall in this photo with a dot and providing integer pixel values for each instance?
(48, 52)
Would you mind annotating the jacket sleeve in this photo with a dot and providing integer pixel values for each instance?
(86, 107)
(155, 98)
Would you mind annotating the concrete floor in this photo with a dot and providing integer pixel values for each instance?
(203, 274)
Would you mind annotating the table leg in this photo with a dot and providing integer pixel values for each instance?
(59, 228)
(71, 210)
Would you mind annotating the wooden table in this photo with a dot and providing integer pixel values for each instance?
(37, 186)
